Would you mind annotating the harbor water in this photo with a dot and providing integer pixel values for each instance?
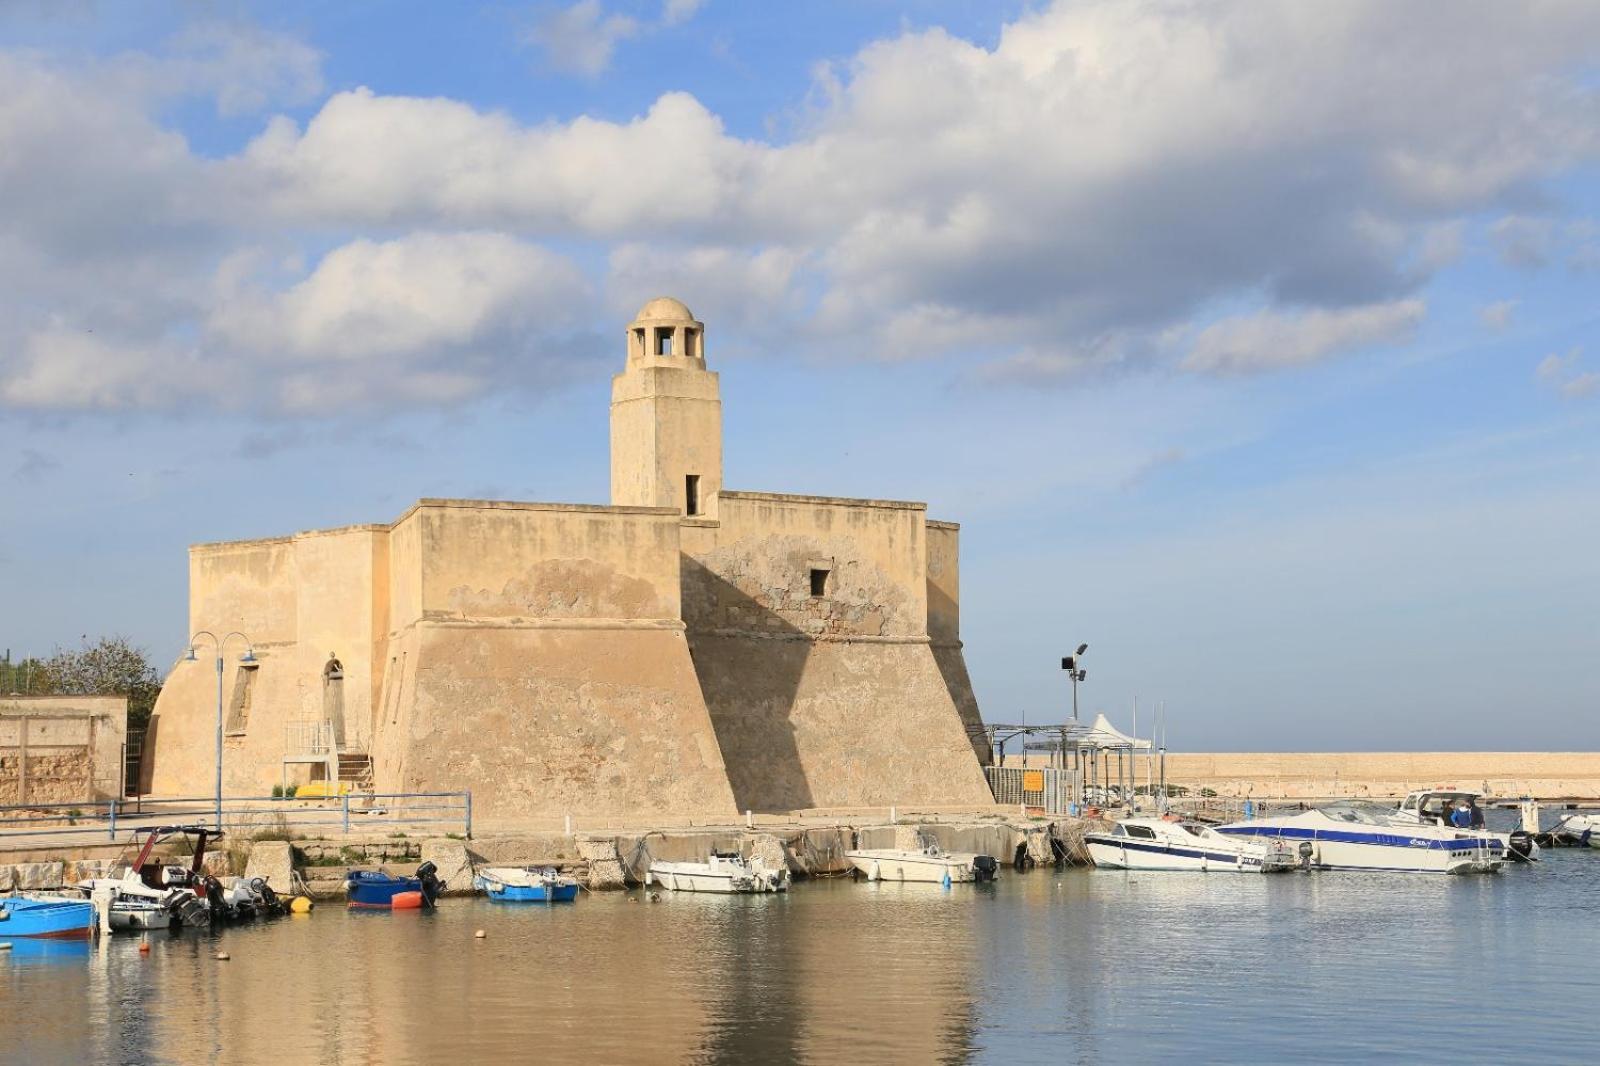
(1071, 966)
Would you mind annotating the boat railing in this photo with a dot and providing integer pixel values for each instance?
(39, 824)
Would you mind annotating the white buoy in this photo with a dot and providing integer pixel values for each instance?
(480, 934)
(221, 956)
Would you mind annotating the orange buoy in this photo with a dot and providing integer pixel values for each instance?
(407, 901)
(144, 947)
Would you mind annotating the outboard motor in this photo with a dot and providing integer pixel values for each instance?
(432, 887)
(1020, 860)
(267, 901)
(1522, 846)
(1306, 851)
(216, 900)
(984, 868)
(1058, 849)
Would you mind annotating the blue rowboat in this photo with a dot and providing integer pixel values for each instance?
(516, 885)
(380, 890)
(22, 916)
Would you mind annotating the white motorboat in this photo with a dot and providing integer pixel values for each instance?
(1437, 806)
(148, 892)
(929, 863)
(1158, 844)
(721, 873)
(1583, 828)
(1357, 835)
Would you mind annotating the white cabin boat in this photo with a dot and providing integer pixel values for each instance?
(1158, 844)
(1355, 835)
(930, 863)
(1436, 806)
(722, 873)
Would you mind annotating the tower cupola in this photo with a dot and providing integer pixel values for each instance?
(665, 333)
(666, 415)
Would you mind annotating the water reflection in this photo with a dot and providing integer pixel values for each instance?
(1076, 966)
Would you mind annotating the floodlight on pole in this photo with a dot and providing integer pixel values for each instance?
(1073, 665)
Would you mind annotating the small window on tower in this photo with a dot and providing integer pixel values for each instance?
(691, 494)
(663, 342)
(638, 340)
(819, 582)
(690, 343)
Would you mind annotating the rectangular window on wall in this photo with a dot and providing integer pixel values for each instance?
(819, 582)
(691, 494)
(244, 678)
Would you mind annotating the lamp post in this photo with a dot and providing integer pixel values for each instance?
(1073, 665)
(249, 656)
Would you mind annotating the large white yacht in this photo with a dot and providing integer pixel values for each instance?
(1158, 844)
(1357, 835)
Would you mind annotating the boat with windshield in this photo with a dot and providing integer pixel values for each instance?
(1159, 844)
(1445, 806)
(1361, 835)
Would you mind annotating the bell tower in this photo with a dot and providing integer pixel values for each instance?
(666, 415)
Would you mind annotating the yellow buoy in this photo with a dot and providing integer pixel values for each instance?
(300, 905)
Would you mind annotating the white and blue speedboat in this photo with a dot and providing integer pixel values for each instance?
(1353, 835)
(1159, 844)
(515, 884)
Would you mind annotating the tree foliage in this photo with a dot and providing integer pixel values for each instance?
(110, 666)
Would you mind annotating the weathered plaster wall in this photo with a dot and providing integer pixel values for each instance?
(74, 747)
(823, 701)
(297, 599)
(666, 421)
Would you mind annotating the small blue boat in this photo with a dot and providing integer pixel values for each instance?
(525, 885)
(24, 916)
(380, 890)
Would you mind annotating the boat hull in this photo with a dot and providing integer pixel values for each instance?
(531, 893)
(703, 877)
(50, 919)
(384, 893)
(890, 865)
(1385, 851)
(1124, 854)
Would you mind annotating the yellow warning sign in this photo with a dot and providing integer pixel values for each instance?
(1033, 780)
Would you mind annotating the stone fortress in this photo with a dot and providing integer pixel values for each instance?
(688, 649)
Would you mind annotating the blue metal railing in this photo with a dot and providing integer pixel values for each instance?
(22, 825)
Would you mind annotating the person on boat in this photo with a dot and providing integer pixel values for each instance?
(1462, 818)
(1477, 814)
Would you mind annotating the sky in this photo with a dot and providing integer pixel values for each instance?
(1254, 345)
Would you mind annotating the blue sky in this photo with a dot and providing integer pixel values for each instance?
(1254, 345)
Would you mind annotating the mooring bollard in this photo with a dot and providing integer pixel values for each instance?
(345, 803)
(569, 825)
(892, 818)
(749, 819)
(111, 815)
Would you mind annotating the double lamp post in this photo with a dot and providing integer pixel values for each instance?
(249, 656)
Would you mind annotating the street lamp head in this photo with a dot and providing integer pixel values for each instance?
(190, 656)
(1082, 648)
(249, 656)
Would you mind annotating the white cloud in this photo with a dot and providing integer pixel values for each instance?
(1562, 373)
(677, 12)
(1270, 340)
(581, 38)
(1497, 316)
(1064, 200)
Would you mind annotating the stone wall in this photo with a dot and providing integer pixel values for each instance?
(1385, 774)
